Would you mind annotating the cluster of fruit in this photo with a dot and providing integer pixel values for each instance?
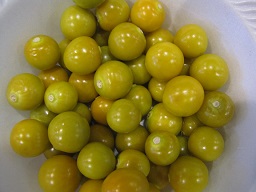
(121, 101)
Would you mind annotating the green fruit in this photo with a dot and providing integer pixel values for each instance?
(88, 4)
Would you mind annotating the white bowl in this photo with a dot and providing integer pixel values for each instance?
(231, 27)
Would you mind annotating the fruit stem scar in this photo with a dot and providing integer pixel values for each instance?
(156, 140)
(36, 39)
(13, 98)
(216, 103)
(99, 84)
(51, 98)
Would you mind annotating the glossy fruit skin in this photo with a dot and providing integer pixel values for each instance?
(63, 45)
(101, 37)
(101, 133)
(188, 173)
(111, 13)
(125, 180)
(42, 114)
(131, 158)
(84, 85)
(190, 123)
(217, 109)
(42, 52)
(206, 143)
(106, 55)
(183, 96)
(29, 138)
(51, 152)
(133, 140)
(126, 41)
(113, 80)
(149, 15)
(211, 71)
(69, 132)
(25, 91)
(162, 148)
(183, 145)
(139, 71)
(164, 61)
(159, 119)
(192, 40)
(84, 111)
(156, 88)
(82, 55)
(99, 109)
(141, 97)
(60, 97)
(59, 173)
(96, 160)
(160, 35)
(123, 116)
(52, 75)
(91, 185)
(158, 176)
(88, 4)
(76, 21)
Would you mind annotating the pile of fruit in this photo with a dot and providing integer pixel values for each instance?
(122, 103)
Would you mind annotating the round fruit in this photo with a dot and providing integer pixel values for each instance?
(133, 140)
(25, 91)
(164, 61)
(141, 97)
(62, 45)
(206, 143)
(42, 114)
(123, 116)
(156, 88)
(84, 85)
(101, 133)
(217, 109)
(111, 13)
(190, 123)
(84, 111)
(106, 55)
(162, 148)
(192, 40)
(88, 4)
(131, 158)
(113, 80)
(29, 138)
(52, 75)
(126, 180)
(126, 41)
(91, 185)
(210, 70)
(59, 173)
(42, 52)
(60, 97)
(149, 15)
(160, 35)
(183, 96)
(96, 160)
(158, 176)
(159, 119)
(139, 71)
(51, 152)
(76, 22)
(82, 55)
(99, 109)
(188, 173)
(69, 132)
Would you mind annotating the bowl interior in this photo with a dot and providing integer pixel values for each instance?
(230, 36)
